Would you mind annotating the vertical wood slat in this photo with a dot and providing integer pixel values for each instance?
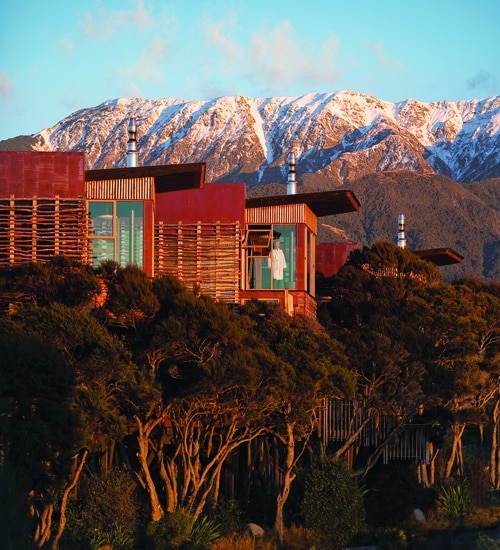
(340, 418)
(205, 255)
(37, 229)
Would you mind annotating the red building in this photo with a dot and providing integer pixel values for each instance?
(330, 257)
(165, 219)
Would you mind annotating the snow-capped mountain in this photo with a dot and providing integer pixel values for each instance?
(438, 163)
(342, 135)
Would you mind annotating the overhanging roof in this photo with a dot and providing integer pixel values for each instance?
(167, 177)
(440, 256)
(324, 203)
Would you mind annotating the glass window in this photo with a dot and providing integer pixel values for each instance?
(101, 218)
(284, 256)
(130, 229)
(270, 256)
(117, 232)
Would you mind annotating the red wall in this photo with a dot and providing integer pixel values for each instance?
(214, 202)
(27, 174)
(330, 257)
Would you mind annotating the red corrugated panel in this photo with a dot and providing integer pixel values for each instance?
(215, 202)
(27, 174)
(330, 257)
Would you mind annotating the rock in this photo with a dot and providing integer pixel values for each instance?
(255, 530)
(419, 515)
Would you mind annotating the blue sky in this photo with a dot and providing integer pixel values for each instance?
(60, 56)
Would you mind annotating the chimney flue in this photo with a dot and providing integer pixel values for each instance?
(291, 187)
(401, 231)
(132, 143)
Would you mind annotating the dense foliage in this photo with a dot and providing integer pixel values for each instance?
(333, 503)
(130, 406)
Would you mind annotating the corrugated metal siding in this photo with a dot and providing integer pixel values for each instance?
(123, 189)
(283, 214)
(330, 257)
(43, 175)
(216, 202)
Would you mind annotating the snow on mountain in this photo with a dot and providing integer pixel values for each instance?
(438, 163)
(342, 135)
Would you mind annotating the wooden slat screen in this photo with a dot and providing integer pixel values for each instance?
(205, 255)
(340, 418)
(39, 229)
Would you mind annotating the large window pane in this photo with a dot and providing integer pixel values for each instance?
(130, 230)
(101, 218)
(102, 250)
(271, 253)
(284, 256)
(117, 232)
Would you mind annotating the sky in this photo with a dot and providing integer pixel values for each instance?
(59, 56)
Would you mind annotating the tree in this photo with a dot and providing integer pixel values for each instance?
(373, 313)
(213, 371)
(61, 280)
(130, 297)
(40, 429)
(459, 320)
(315, 369)
(333, 503)
(110, 388)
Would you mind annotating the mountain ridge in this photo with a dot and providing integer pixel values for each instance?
(431, 161)
(327, 131)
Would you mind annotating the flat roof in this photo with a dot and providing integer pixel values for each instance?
(167, 177)
(324, 203)
(440, 256)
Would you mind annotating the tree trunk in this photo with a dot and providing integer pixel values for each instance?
(422, 474)
(432, 466)
(456, 455)
(495, 450)
(288, 477)
(44, 523)
(64, 500)
(143, 442)
(351, 440)
(169, 473)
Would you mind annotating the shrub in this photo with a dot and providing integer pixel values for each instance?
(456, 502)
(204, 533)
(171, 531)
(229, 516)
(106, 511)
(333, 503)
(300, 538)
(485, 543)
(179, 529)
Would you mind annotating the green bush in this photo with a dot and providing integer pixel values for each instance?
(456, 502)
(106, 512)
(171, 531)
(229, 516)
(485, 543)
(333, 504)
(179, 530)
(204, 533)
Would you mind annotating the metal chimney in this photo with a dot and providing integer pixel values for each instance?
(132, 143)
(401, 231)
(291, 186)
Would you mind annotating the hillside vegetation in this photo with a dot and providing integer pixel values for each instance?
(148, 416)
